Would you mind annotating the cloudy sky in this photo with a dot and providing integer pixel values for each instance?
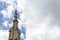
(39, 20)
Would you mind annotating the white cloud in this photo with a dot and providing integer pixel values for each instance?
(42, 32)
(37, 17)
(22, 35)
(6, 24)
(4, 34)
(8, 12)
(38, 20)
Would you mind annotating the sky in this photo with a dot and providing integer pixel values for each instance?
(38, 19)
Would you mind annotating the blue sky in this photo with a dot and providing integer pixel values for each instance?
(38, 19)
(3, 6)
